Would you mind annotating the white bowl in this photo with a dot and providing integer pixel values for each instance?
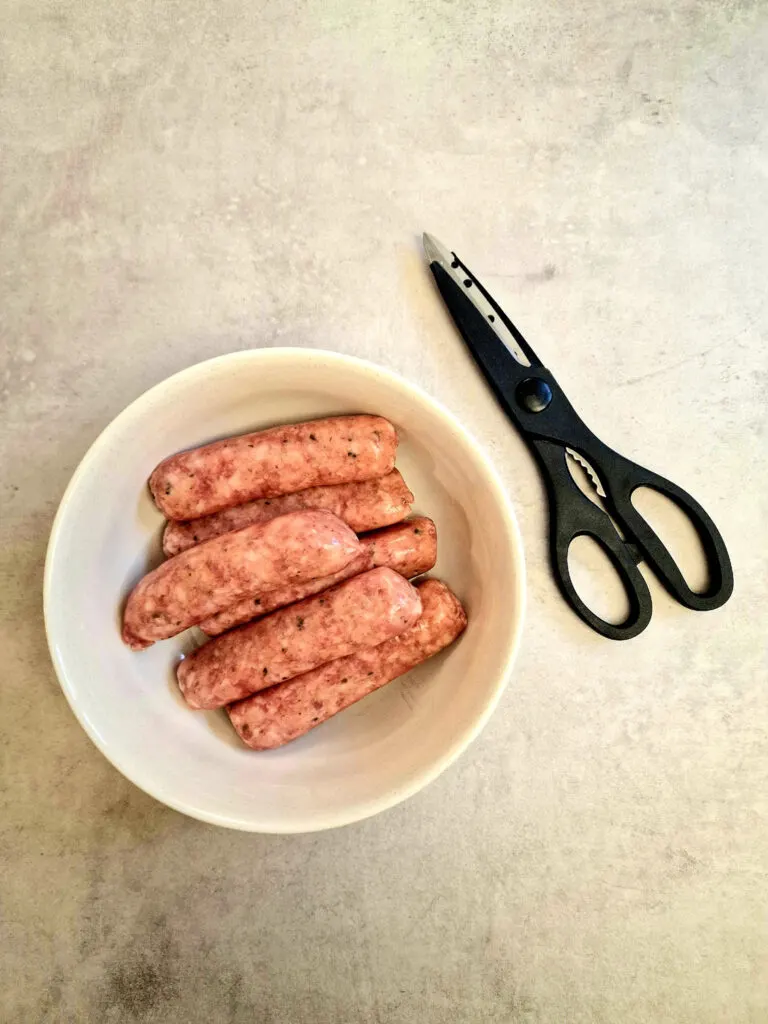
(370, 757)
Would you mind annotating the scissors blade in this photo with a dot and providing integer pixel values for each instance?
(492, 314)
(591, 473)
(587, 479)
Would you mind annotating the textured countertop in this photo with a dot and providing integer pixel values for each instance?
(181, 180)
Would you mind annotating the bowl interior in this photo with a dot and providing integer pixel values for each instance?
(381, 750)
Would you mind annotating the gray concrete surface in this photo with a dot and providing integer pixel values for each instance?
(179, 180)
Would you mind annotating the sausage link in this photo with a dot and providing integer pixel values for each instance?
(367, 609)
(212, 576)
(409, 548)
(367, 505)
(283, 713)
(272, 462)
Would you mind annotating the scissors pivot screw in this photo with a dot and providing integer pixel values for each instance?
(534, 394)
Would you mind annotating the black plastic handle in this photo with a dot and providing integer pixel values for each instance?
(544, 415)
(621, 478)
(573, 515)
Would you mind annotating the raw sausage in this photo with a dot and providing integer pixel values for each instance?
(213, 576)
(368, 609)
(362, 506)
(266, 464)
(409, 548)
(282, 713)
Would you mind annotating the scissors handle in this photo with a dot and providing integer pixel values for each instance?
(573, 515)
(621, 478)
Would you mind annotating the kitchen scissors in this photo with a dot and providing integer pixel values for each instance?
(536, 404)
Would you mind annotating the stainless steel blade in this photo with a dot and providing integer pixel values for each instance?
(594, 479)
(436, 252)
(588, 481)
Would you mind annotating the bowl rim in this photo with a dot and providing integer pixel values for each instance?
(465, 736)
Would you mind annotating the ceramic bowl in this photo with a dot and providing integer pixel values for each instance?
(370, 757)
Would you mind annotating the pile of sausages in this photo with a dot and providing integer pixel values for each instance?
(305, 616)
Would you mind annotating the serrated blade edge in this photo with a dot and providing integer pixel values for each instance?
(594, 479)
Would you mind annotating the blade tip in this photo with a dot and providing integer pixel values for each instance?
(432, 248)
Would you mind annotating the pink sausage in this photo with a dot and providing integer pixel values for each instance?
(367, 609)
(367, 505)
(213, 576)
(272, 462)
(282, 713)
(409, 548)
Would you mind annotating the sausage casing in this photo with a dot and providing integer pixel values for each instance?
(367, 609)
(269, 463)
(282, 713)
(213, 576)
(409, 548)
(363, 506)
